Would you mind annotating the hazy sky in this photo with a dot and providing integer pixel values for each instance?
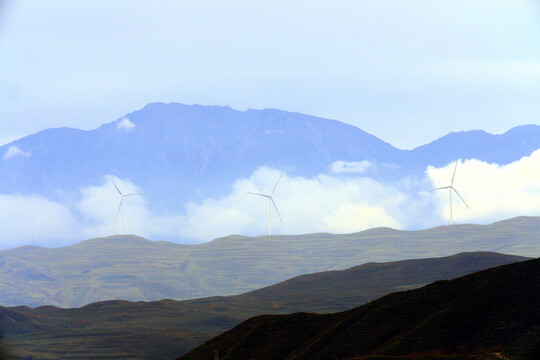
(405, 71)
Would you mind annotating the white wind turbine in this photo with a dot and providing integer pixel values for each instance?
(120, 208)
(270, 202)
(450, 189)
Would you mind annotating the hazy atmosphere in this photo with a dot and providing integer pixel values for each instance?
(406, 71)
(270, 179)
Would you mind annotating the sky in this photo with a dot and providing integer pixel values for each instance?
(406, 71)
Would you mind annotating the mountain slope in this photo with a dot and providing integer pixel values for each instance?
(325, 291)
(501, 149)
(166, 328)
(477, 316)
(204, 149)
(131, 268)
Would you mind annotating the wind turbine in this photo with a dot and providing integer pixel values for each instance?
(120, 208)
(270, 202)
(450, 189)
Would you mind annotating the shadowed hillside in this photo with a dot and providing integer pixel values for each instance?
(132, 268)
(486, 315)
(165, 329)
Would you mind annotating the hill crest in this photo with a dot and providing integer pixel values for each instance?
(132, 268)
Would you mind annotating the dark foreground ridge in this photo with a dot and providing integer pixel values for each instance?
(492, 314)
(166, 329)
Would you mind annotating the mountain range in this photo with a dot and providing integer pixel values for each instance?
(488, 315)
(135, 269)
(166, 328)
(204, 149)
(180, 153)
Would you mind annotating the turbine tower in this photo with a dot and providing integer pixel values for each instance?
(450, 189)
(120, 208)
(270, 202)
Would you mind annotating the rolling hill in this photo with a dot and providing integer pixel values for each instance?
(165, 329)
(134, 269)
(492, 314)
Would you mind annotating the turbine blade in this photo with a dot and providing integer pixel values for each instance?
(445, 187)
(275, 186)
(461, 198)
(117, 189)
(118, 212)
(454, 175)
(275, 207)
(131, 194)
(252, 193)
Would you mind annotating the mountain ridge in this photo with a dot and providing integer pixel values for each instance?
(181, 144)
(490, 314)
(481, 145)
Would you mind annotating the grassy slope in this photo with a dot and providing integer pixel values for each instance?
(167, 328)
(132, 268)
(496, 311)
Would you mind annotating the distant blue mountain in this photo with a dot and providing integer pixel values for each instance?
(477, 144)
(199, 151)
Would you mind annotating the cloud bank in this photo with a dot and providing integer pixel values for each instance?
(325, 203)
(34, 220)
(492, 191)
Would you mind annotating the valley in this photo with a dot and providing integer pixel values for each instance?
(167, 328)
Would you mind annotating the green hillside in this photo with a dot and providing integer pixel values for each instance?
(134, 269)
(167, 328)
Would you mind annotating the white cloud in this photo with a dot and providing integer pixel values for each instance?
(306, 205)
(493, 192)
(99, 206)
(322, 203)
(13, 151)
(358, 167)
(124, 124)
(34, 220)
